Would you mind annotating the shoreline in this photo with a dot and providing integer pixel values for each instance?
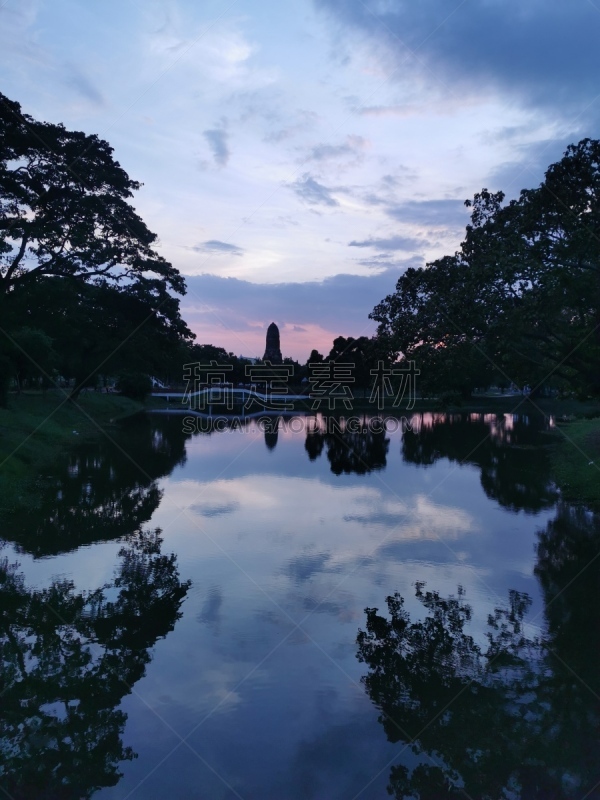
(36, 429)
(576, 461)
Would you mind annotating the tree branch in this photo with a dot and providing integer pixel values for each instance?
(16, 261)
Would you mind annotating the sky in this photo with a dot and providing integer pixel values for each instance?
(297, 157)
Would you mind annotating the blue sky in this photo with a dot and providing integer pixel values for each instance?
(297, 156)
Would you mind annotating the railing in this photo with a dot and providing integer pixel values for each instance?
(222, 391)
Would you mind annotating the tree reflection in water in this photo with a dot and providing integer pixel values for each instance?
(360, 448)
(516, 718)
(69, 658)
(103, 490)
(271, 433)
(515, 469)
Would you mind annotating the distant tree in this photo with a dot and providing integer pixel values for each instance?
(205, 353)
(298, 371)
(315, 357)
(135, 385)
(304, 371)
(31, 340)
(360, 352)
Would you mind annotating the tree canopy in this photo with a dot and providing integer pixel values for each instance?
(520, 299)
(64, 207)
(77, 263)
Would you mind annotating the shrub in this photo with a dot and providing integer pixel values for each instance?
(135, 385)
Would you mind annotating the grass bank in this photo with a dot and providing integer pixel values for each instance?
(36, 429)
(576, 460)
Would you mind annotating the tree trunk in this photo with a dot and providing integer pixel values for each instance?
(75, 392)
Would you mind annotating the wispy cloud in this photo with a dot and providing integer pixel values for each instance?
(387, 111)
(313, 192)
(217, 139)
(430, 213)
(302, 120)
(353, 146)
(79, 81)
(390, 243)
(215, 246)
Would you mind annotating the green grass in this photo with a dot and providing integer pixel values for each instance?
(576, 461)
(37, 428)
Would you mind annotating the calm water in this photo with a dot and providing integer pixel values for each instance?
(185, 617)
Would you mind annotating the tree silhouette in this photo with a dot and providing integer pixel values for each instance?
(481, 723)
(102, 490)
(522, 292)
(77, 263)
(356, 449)
(515, 470)
(65, 209)
(69, 658)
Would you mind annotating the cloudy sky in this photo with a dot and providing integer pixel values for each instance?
(297, 157)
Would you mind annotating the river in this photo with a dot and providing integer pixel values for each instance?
(181, 613)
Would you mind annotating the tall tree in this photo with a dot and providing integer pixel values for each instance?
(522, 294)
(76, 261)
(64, 208)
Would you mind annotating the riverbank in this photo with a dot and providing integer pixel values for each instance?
(575, 443)
(36, 429)
(498, 403)
(576, 461)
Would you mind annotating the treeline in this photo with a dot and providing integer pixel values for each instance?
(85, 297)
(83, 292)
(360, 353)
(520, 300)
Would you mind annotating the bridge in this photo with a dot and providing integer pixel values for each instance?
(226, 395)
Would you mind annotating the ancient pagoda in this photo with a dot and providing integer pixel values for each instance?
(272, 349)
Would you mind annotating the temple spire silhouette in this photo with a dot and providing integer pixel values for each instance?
(272, 348)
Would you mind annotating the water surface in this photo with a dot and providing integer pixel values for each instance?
(181, 615)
